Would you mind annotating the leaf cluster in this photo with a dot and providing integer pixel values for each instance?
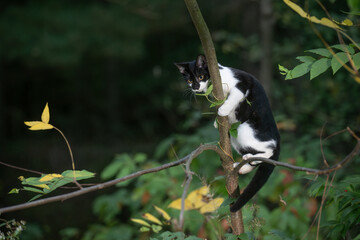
(327, 58)
(47, 183)
(346, 196)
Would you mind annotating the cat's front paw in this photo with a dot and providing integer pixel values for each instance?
(224, 110)
(247, 156)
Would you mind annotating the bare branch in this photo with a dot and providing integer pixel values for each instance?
(20, 168)
(311, 171)
(188, 176)
(100, 186)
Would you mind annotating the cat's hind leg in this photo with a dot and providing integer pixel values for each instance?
(250, 166)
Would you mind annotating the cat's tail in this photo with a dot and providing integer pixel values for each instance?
(261, 176)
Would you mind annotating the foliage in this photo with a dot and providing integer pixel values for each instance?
(346, 196)
(157, 227)
(328, 59)
(47, 183)
(11, 230)
(64, 49)
(199, 199)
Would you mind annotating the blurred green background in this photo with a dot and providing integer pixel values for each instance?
(106, 70)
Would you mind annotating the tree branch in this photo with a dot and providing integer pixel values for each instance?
(348, 158)
(227, 161)
(188, 159)
(188, 177)
(100, 186)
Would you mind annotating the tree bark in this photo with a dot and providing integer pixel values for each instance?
(227, 162)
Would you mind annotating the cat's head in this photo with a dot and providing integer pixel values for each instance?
(195, 73)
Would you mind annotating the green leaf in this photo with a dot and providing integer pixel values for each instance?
(352, 180)
(79, 175)
(172, 236)
(306, 59)
(111, 170)
(283, 70)
(140, 157)
(208, 91)
(144, 229)
(344, 48)
(217, 103)
(299, 70)
(233, 129)
(36, 197)
(319, 67)
(193, 238)
(14, 191)
(32, 189)
(356, 59)
(320, 51)
(335, 61)
(156, 228)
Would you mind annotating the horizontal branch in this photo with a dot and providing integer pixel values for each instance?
(191, 156)
(110, 183)
(351, 155)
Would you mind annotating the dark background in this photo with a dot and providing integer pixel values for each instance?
(106, 70)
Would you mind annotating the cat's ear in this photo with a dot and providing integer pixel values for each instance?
(201, 61)
(182, 67)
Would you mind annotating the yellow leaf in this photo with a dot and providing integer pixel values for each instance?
(50, 177)
(21, 178)
(42, 186)
(39, 126)
(324, 21)
(32, 123)
(212, 205)
(176, 204)
(347, 22)
(162, 212)
(151, 218)
(45, 116)
(140, 221)
(196, 197)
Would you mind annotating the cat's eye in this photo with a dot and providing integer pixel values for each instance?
(201, 77)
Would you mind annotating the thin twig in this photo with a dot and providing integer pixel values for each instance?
(321, 146)
(321, 206)
(71, 156)
(188, 176)
(20, 168)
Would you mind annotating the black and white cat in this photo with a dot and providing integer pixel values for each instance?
(257, 135)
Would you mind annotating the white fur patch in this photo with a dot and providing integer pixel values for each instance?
(246, 138)
(246, 169)
(227, 78)
(231, 102)
(203, 87)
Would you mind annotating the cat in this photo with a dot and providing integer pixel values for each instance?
(247, 103)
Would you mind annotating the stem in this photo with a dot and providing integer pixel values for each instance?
(226, 161)
(71, 156)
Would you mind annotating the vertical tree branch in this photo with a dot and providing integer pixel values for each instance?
(209, 50)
